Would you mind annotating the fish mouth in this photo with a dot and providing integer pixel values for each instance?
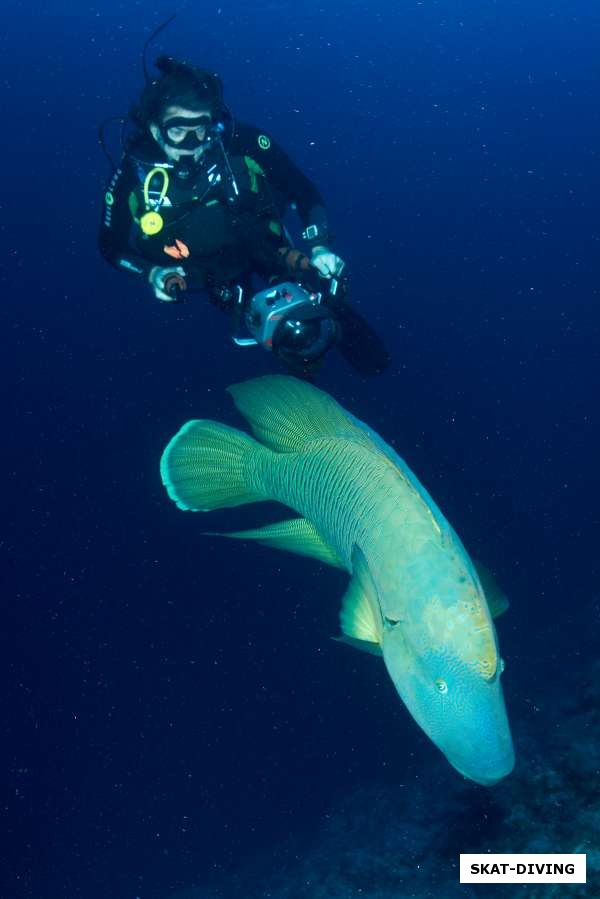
(485, 778)
(482, 780)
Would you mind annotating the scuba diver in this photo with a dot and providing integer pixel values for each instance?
(197, 204)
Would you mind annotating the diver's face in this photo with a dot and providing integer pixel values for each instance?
(182, 131)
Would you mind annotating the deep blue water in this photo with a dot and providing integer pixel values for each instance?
(174, 703)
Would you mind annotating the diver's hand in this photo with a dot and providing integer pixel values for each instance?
(157, 278)
(326, 262)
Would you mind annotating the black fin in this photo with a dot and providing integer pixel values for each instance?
(359, 344)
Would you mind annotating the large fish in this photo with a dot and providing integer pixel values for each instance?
(414, 595)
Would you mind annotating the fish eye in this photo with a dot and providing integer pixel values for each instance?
(441, 685)
(391, 622)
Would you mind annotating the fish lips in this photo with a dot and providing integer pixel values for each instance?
(488, 776)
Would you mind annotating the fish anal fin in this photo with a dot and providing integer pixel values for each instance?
(296, 535)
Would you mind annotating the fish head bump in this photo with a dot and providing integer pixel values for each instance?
(444, 662)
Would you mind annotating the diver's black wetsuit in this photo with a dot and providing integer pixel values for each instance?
(225, 236)
(222, 234)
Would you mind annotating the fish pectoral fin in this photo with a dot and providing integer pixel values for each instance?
(360, 615)
(373, 649)
(296, 535)
(496, 597)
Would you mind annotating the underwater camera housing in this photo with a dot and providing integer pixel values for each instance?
(292, 322)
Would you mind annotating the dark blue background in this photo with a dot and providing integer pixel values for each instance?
(174, 702)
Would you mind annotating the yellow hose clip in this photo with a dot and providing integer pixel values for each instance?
(152, 221)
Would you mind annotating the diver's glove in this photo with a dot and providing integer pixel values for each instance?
(326, 263)
(157, 279)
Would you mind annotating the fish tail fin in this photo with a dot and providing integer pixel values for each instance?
(208, 466)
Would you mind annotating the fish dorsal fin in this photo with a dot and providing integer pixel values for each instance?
(296, 535)
(496, 597)
(360, 615)
(285, 413)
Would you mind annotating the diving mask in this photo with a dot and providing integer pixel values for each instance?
(185, 132)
